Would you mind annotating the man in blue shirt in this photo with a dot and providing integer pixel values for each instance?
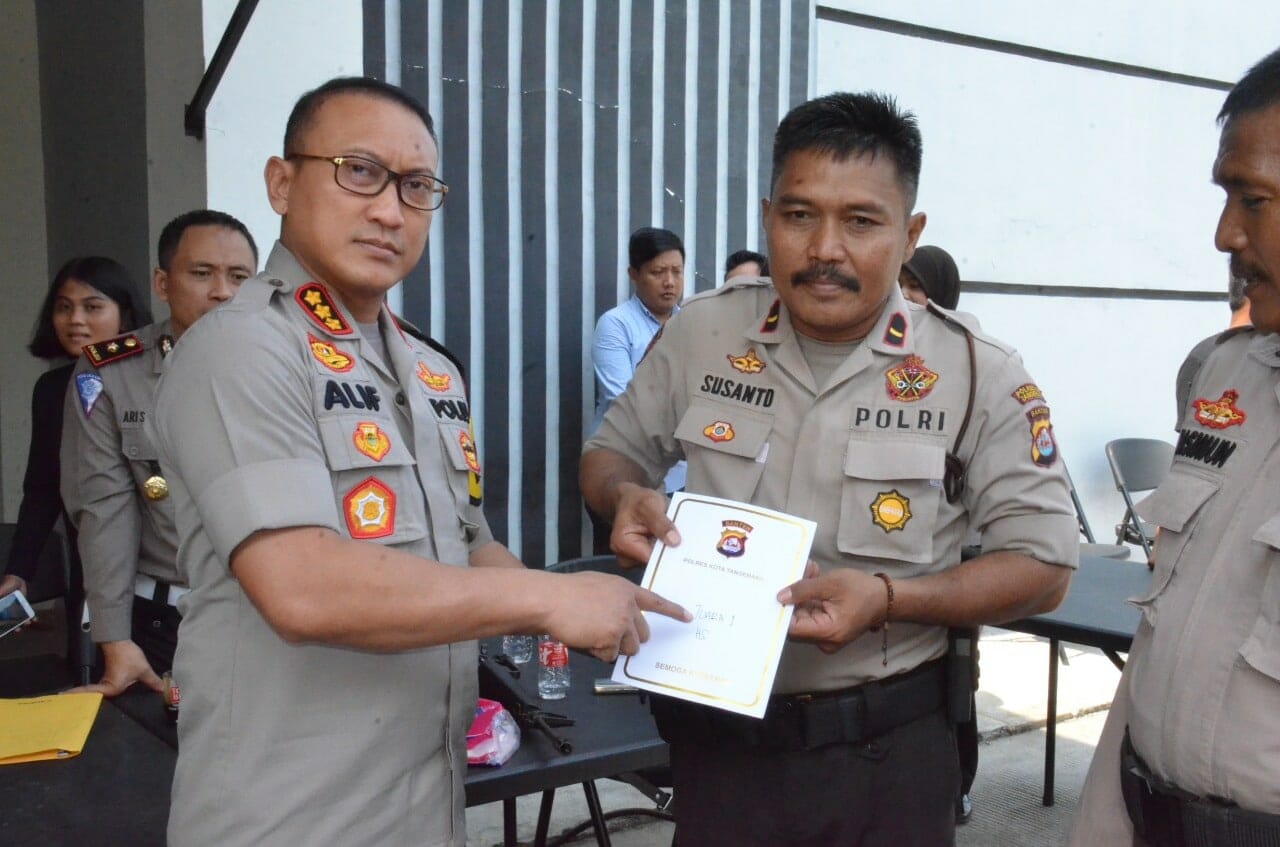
(623, 334)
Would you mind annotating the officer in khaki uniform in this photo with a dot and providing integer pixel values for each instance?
(112, 484)
(846, 407)
(1190, 754)
(327, 485)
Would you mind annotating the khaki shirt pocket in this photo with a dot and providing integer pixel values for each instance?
(1172, 507)
(1262, 649)
(374, 481)
(136, 446)
(889, 499)
(726, 447)
(462, 459)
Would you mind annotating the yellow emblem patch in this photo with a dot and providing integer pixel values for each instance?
(747, 363)
(474, 492)
(371, 440)
(370, 510)
(329, 356)
(433, 380)
(891, 510)
(469, 452)
(315, 301)
(719, 431)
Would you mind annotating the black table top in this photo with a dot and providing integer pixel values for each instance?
(1094, 611)
(612, 733)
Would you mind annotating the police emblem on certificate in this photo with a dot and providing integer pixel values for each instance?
(732, 560)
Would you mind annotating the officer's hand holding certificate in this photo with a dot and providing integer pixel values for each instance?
(732, 560)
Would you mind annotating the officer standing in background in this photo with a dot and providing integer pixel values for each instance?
(327, 485)
(1191, 747)
(823, 393)
(112, 483)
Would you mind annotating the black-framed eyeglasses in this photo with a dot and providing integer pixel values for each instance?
(365, 176)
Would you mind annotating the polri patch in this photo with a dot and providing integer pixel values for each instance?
(371, 440)
(315, 301)
(733, 538)
(1044, 448)
(469, 453)
(895, 334)
(1025, 394)
(719, 431)
(105, 352)
(771, 320)
(891, 510)
(909, 381)
(1220, 413)
(89, 387)
(433, 380)
(329, 356)
(370, 510)
(747, 363)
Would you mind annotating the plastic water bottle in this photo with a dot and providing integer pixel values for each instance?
(519, 648)
(553, 669)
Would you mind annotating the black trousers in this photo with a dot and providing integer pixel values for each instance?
(897, 790)
(155, 630)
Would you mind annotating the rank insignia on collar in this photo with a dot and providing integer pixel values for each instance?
(114, 350)
(1024, 394)
(891, 510)
(895, 334)
(909, 381)
(771, 320)
(166, 345)
(371, 440)
(469, 452)
(370, 510)
(1044, 449)
(433, 380)
(1220, 413)
(719, 431)
(329, 356)
(315, 301)
(89, 387)
(733, 538)
(747, 363)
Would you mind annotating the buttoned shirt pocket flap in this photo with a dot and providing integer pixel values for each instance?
(136, 446)
(1269, 533)
(352, 442)
(870, 460)
(889, 499)
(725, 429)
(1176, 501)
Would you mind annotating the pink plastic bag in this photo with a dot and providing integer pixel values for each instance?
(494, 735)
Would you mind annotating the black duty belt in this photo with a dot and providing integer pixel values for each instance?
(1166, 816)
(809, 721)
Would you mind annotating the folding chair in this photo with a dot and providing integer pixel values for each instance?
(1137, 465)
(1090, 546)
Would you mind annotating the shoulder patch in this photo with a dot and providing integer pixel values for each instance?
(315, 301)
(89, 388)
(106, 352)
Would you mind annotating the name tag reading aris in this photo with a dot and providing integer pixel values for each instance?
(732, 561)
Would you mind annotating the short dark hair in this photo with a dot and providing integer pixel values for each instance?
(171, 235)
(841, 125)
(648, 241)
(308, 105)
(107, 276)
(1235, 293)
(1257, 89)
(741, 257)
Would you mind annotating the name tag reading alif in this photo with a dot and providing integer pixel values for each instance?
(732, 561)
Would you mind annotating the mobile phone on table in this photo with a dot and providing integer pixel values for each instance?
(15, 612)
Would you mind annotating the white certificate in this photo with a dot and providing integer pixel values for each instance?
(732, 561)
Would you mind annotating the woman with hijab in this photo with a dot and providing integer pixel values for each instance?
(931, 274)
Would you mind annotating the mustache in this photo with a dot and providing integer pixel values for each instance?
(1240, 270)
(826, 273)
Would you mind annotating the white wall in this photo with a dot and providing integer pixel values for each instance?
(287, 49)
(1050, 174)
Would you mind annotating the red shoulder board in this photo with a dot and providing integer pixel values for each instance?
(316, 302)
(105, 352)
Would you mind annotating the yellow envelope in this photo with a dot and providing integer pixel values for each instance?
(33, 729)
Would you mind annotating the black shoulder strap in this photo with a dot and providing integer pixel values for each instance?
(953, 480)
